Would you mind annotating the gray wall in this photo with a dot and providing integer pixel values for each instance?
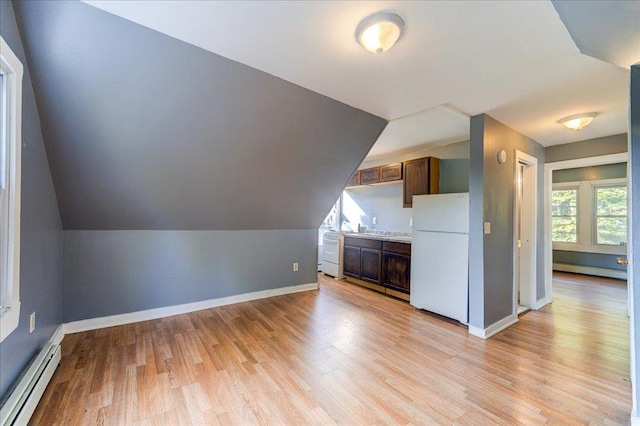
(605, 171)
(115, 272)
(148, 132)
(491, 190)
(589, 148)
(634, 226)
(606, 30)
(41, 231)
(596, 260)
(155, 145)
(385, 201)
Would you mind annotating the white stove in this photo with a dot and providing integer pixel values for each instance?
(332, 254)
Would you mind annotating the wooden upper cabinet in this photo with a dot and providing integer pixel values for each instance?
(370, 176)
(355, 179)
(391, 172)
(421, 176)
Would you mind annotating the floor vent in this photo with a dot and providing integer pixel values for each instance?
(19, 407)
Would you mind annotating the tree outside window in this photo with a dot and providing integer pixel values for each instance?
(564, 224)
(611, 215)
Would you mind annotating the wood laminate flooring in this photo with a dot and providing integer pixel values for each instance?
(348, 355)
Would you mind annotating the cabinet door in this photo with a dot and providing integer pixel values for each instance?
(421, 176)
(391, 172)
(397, 272)
(351, 261)
(371, 269)
(370, 176)
(355, 179)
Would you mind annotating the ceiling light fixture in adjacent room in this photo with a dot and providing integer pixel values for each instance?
(578, 121)
(379, 32)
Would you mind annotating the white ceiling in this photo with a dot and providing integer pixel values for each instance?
(513, 60)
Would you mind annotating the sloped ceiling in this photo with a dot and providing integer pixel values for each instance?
(144, 131)
(511, 59)
(609, 31)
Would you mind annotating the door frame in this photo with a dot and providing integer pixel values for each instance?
(529, 218)
(548, 171)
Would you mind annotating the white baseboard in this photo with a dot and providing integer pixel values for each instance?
(590, 270)
(494, 328)
(149, 314)
(540, 303)
(58, 335)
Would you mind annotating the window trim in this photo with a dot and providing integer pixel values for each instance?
(12, 69)
(586, 217)
(594, 208)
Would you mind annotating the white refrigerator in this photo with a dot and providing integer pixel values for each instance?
(440, 254)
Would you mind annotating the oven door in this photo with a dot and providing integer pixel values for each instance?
(331, 251)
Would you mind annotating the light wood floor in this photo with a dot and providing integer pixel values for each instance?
(348, 355)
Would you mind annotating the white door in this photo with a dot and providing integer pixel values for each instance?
(525, 218)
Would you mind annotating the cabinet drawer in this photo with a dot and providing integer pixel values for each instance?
(362, 242)
(399, 248)
(391, 172)
(370, 176)
(355, 179)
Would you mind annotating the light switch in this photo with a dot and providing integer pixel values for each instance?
(375, 220)
(487, 228)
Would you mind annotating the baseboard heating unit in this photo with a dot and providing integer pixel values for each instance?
(20, 405)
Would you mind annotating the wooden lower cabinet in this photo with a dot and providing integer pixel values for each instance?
(396, 266)
(362, 259)
(397, 272)
(371, 265)
(384, 266)
(351, 261)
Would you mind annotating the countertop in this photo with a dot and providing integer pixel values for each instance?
(397, 237)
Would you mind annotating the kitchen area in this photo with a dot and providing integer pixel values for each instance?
(379, 234)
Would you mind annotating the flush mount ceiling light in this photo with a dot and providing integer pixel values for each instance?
(380, 31)
(578, 121)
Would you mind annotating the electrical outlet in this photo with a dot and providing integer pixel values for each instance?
(295, 267)
(32, 322)
(487, 228)
(374, 220)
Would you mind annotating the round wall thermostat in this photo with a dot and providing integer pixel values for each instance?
(502, 156)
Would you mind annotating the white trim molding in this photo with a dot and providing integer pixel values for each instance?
(494, 328)
(12, 70)
(591, 270)
(58, 335)
(150, 314)
(525, 257)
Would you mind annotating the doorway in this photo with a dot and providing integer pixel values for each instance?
(549, 168)
(525, 229)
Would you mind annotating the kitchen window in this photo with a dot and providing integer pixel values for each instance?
(590, 216)
(10, 162)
